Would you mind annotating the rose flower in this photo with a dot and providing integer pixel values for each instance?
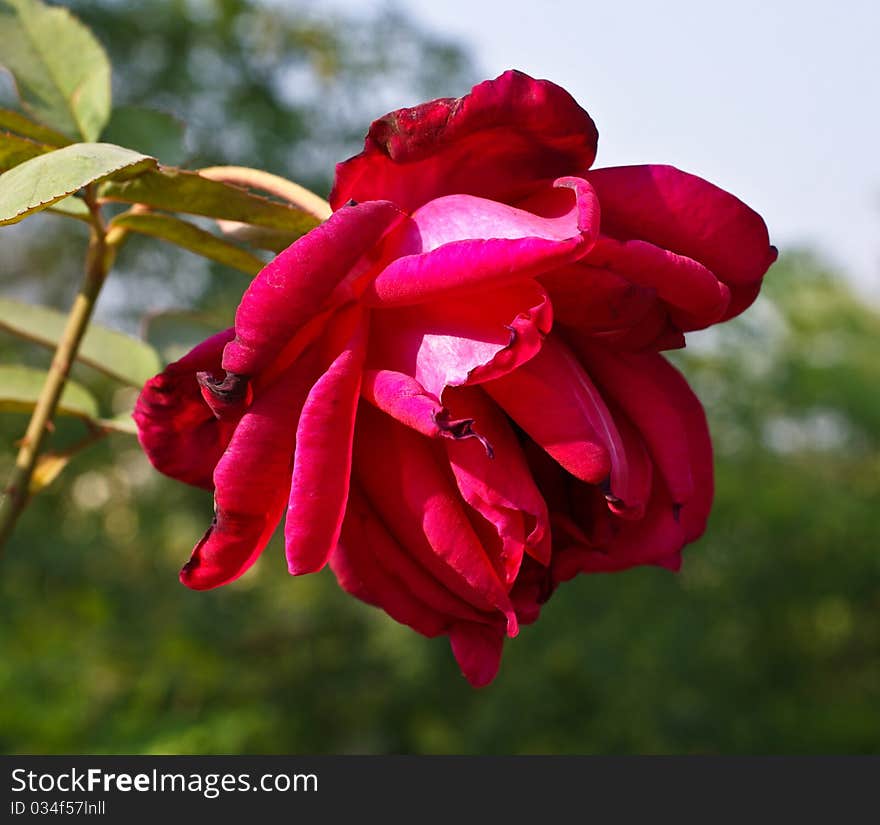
(452, 390)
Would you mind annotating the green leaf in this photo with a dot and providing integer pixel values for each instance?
(20, 388)
(18, 123)
(190, 237)
(48, 467)
(72, 207)
(15, 149)
(149, 131)
(41, 181)
(61, 71)
(175, 190)
(120, 356)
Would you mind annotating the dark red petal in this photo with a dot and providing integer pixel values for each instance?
(686, 215)
(252, 481)
(477, 649)
(651, 540)
(364, 533)
(403, 476)
(297, 284)
(695, 296)
(645, 387)
(360, 573)
(177, 429)
(495, 142)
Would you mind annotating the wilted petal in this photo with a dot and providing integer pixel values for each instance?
(176, 428)
(251, 481)
(501, 138)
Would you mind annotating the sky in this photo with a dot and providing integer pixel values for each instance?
(775, 101)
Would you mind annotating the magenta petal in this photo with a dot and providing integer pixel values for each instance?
(298, 283)
(322, 462)
(495, 142)
(522, 245)
(176, 428)
(452, 343)
(251, 481)
(403, 477)
(549, 214)
(501, 487)
(556, 403)
(477, 649)
(407, 401)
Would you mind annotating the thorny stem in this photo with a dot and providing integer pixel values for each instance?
(98, 257)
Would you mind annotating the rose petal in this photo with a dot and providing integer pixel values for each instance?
(295, 285)
(499, 487)
(322, 463)
(402, 475)
(251, 481)
(695, 296)
(556, 403)
(176, 428)
(651, 540)
(359, 573)
(689, 216)
(477, 649)
(456, 257)
(494, 142)
(407, 401)
(365, 534)
(452, 343)
(640, 384)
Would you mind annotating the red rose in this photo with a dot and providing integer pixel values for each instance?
(453, 386)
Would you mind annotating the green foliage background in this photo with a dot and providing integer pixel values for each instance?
(768, 641)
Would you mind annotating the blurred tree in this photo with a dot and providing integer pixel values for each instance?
(284, 87)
